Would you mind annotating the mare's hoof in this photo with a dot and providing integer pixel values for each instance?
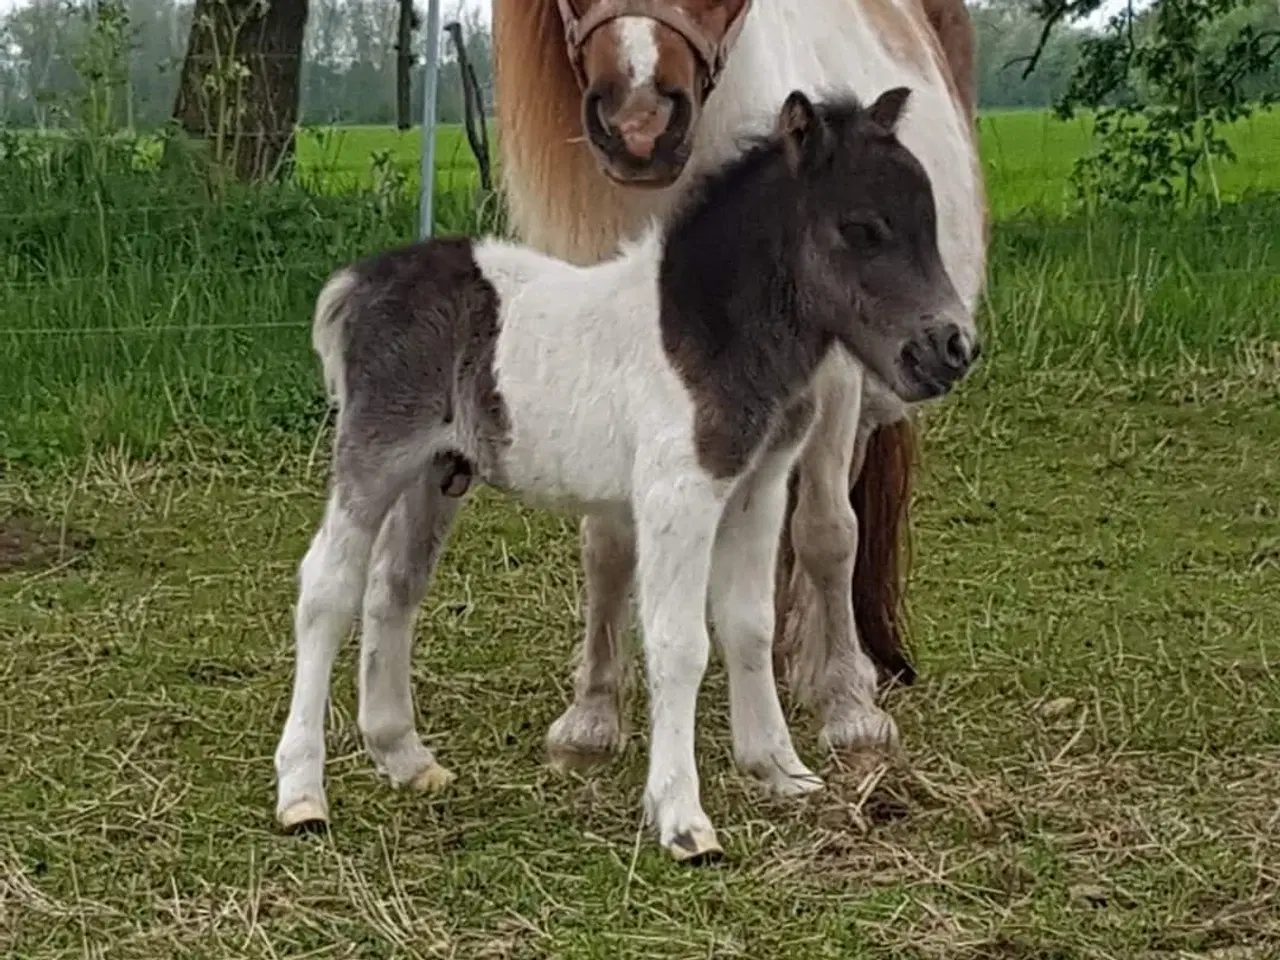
(866, 729)
(696, 847)
(583, 737)
(304, 816)
(432, 780)
(563, 758)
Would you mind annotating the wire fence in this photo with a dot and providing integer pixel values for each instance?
(136, 300)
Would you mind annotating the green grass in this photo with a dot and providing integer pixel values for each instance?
(1027, 158)
(1093, 751)
(1028, 155)
(1093, 754)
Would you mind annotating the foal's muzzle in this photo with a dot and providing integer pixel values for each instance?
(930, 365)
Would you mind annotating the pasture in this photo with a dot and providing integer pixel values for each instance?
(1092, 755)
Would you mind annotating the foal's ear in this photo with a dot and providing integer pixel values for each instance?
(801, 129)
(887, 110)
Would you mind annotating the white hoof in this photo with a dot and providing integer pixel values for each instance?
(794, 784)
(860, 728)
(305, 814)
(787, 776)
(434, 779)
(583, 737)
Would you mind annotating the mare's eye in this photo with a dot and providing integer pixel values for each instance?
(866, 232)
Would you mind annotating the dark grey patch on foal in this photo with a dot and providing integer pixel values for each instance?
(782, 254)
(420, 326)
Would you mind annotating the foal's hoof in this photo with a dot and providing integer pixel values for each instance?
(696, 847)
(304, 816)
(432, 780)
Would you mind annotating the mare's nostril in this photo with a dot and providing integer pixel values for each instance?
(598, 108)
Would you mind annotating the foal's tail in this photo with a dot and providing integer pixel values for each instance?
(333, 307)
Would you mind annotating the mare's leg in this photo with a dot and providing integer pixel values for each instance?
(741, 603)
(404, 557)
(676, 520)
(828, 663)
(590, 730)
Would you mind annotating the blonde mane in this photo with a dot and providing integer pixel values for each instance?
(557, 196)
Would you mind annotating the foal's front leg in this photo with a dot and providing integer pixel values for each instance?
(742, 611)
(405, 555)
(590, 730)
(827, 662)
(676, 520)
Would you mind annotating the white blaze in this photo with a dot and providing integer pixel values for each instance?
(639, 43)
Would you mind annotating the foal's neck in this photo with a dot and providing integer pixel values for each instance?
(728, 277)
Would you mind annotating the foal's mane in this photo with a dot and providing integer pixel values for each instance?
(756, 149)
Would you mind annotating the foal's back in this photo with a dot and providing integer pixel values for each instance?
(544, 375)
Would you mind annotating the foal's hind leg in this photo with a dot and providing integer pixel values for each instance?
(404, 557)
(590, 730)
(827, 662)
(331, 579)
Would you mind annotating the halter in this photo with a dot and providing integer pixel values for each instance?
(712, 55)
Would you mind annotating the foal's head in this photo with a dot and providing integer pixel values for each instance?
(645, 68)
(861, 237)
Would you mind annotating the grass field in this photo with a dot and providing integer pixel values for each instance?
(1092, 757)
(1027, 156)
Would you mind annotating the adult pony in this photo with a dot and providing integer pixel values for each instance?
(605, 109)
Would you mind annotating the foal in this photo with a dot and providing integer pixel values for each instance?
(668, 391)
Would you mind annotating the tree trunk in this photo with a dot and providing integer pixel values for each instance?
(240, 82)
(404, 63)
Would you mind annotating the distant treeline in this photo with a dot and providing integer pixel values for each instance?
(348, 71)
(348, 74)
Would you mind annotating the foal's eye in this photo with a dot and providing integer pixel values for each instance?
(864, 232)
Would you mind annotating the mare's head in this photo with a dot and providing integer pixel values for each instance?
(861, 228)
(645, 68)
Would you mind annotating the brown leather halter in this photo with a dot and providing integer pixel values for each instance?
(712, 54)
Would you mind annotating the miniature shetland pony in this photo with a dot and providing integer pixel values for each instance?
(668, 391)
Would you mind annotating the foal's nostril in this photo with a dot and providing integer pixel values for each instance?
(958, 355)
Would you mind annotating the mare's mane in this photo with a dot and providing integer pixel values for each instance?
(552, 182)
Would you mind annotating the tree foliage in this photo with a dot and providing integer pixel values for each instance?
(1162, 82)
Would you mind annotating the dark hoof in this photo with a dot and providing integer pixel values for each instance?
(306, 828)
(696, 848)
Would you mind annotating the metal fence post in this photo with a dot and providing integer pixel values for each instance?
(430, 74)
